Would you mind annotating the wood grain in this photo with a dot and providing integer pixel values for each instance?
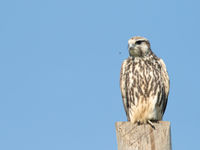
(132, 136)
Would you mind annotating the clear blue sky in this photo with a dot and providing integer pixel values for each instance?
(60, 62)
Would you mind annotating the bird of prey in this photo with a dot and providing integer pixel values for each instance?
(144, 83)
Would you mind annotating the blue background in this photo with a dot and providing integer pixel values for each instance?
(60, 62)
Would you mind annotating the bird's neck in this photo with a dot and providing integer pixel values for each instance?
(144, 58)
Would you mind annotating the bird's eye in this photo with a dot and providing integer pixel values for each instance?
(138, 42)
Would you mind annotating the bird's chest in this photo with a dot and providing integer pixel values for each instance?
(143, 76)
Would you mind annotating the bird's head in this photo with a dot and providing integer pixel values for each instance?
(139, 47)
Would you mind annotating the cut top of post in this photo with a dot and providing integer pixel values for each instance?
(132, 136)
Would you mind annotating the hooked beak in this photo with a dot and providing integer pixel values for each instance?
(131, 46)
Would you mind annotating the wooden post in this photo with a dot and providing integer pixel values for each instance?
(132, 136)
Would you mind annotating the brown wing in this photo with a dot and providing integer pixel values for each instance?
(165, 90)
(123, 87)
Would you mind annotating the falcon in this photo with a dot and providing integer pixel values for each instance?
(144, 83)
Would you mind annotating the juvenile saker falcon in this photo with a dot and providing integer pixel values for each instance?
(144, 83)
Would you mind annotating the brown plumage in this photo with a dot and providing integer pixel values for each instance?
(144, 83)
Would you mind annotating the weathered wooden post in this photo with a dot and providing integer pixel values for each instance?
(143, 137)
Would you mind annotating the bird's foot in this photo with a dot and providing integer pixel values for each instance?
(151, 124)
